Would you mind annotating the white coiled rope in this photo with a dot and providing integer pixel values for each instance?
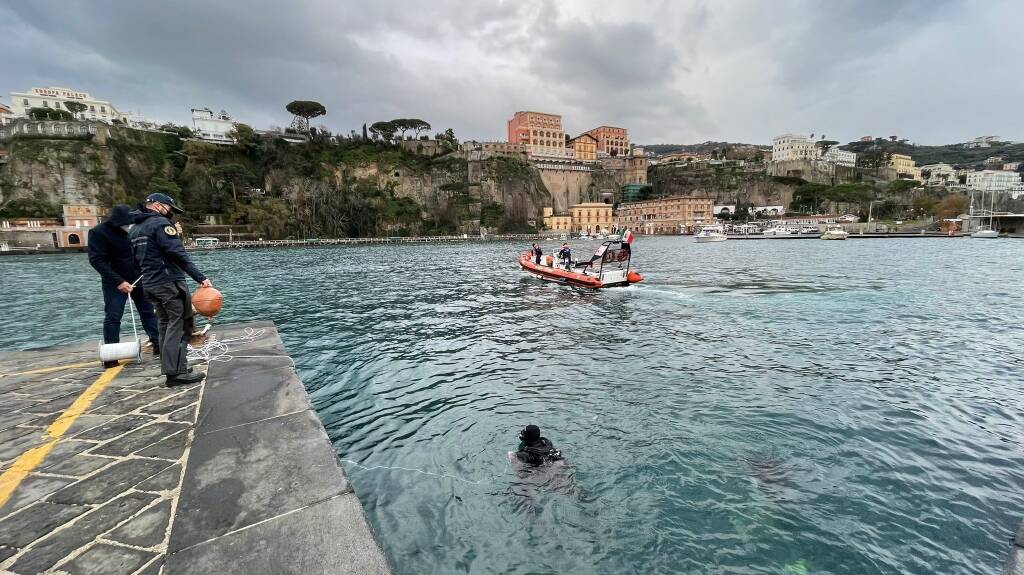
(220, 349)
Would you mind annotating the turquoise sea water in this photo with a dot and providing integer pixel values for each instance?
(753, 407)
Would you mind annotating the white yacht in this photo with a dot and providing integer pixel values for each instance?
(987, 232)
(713, 233)
(835, 233)
(778, 231)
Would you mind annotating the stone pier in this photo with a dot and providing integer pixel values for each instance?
(110, 472)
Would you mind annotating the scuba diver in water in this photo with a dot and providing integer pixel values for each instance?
(534, 449)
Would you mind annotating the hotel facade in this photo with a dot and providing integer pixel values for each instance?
(541, 133)
(55, 98)
(591, 217)
(611, 140)
(673, 215)
(791, 147)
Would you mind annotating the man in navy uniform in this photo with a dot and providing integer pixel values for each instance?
(161, 256)
(110, 253)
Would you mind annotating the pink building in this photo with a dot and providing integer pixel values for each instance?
(542, 133)
(611, 140)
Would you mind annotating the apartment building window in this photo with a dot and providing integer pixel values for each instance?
(46, 104)
(92, 108)
(103, 109)
(24, 101)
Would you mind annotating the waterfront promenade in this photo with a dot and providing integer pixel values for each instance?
(109, 471)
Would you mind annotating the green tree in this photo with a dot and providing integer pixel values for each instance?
(235, 175)
(491, 214)
(160, 185)
(307, 110)
(49, 114)
(244, 135)
(183, 132)
(384, 130)
(900, 186)
(29, 208)
(269, 218)
(447, 139)
(417, 126)
(951, 206)
(75, 108)
(402, 125)
(808, 197)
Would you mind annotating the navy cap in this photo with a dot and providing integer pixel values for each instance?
(166, 200)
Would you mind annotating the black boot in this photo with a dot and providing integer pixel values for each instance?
(185, 379)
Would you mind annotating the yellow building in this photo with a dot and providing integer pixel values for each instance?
(560, 223)
(905, 166)
(585, 147)
(591, 217)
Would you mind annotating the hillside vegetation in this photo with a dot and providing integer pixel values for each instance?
(326, 187)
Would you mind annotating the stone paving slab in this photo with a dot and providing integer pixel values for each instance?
(89, 485)
(235, 475)
(317, 540)
(264, 492)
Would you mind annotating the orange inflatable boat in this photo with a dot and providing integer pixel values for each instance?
(609, 267)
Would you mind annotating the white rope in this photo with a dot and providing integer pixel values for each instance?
(422, 472)
(220, 350)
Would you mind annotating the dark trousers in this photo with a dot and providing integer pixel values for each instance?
(177, 322)
(114, 301)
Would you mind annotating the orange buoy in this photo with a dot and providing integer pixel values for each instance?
(633, 277)
(207, 301)
(549, 260)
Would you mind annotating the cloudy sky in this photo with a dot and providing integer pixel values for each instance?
(933, 71)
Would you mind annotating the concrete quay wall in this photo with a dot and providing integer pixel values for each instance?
(110, 471)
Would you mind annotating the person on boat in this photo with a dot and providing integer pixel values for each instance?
(565, 254)
(534, 449)
(537, 253)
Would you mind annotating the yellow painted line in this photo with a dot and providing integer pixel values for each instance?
(51, 369)
(31, 459)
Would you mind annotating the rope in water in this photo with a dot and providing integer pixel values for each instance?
(487, 481)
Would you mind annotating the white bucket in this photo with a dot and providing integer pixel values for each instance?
(119, 351)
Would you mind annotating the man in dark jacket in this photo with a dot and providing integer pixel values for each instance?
(110, 253)
(162, 258)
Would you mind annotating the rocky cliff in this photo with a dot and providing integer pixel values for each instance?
(327, 188)
(726, 184)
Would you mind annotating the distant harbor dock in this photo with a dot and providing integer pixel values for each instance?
(109, 471)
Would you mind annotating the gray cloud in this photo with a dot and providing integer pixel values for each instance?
(669, 71)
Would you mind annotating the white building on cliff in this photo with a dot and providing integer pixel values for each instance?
(55, 97)
(212, 127)
(992, 180)
(790, 147)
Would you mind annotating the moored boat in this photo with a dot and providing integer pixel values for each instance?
(778, 231)
(834, 233)
(712, 233)
(985, 232)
